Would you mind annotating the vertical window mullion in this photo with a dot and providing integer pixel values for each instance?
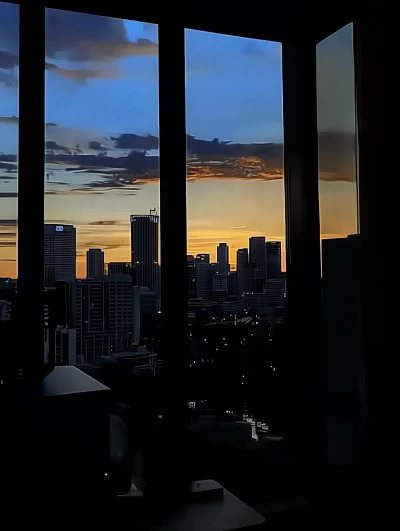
(173, 220)
(303, 250)
(31, 185)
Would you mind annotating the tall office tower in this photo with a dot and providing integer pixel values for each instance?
(244, 272)
(257, 253)
(203, 276)
(107, 317)
(191, 276)
(119, 268)
(94, 263)
(258, 261)
(144, 249)
(232, 278)
(60, 251)
(223, 258)
(274, 259)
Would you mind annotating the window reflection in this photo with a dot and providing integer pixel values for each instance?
(337, 135)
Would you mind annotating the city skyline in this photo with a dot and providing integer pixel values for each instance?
(102, 135)
(97, 254)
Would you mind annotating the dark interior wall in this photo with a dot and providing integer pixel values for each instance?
(376, 62)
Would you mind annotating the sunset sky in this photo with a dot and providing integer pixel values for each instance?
(102, 134)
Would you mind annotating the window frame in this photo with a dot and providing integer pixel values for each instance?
(301, 213)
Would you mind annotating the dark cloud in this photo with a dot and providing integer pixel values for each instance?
(54, 146)
(131, 141)
(74, 37)
(337, 156)
(8, 157)
(8, 194)
(60, 222)
(8, 222)
(96, 146)
(7, 167)
(8, 60)
(107, 222)
(59, 183)
(81, 75)
(206, 159)
(8, 64)
(104, 246)
(13, 120)
(80, 37)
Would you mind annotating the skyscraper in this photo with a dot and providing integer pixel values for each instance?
(60, 251)
(244, 273)
(223, 258)
(203, 276)
(257, 252)
(274, 259)
(94, 263)
(258, 262)
(144, 249)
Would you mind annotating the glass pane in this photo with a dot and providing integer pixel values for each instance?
(236, 256)
(340, 242)
(9, 48)
(337, 135)
(101, 231)
(102, 188)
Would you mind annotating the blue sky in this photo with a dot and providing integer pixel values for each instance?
(101, 89)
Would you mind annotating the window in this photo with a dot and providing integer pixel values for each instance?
(236, 252)
(102, 182)
(9, 36)
(101, 223)
(341, 260)
(101, 232)
(337, 135)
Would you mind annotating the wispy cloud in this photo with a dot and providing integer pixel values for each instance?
(107, 222)
(81, 75)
